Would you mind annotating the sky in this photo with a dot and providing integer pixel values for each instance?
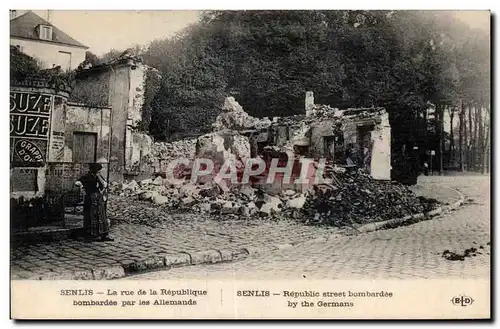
(119, 29)
(102, 30)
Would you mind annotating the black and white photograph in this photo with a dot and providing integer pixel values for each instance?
(157, 145)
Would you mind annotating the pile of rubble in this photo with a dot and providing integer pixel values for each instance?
(351, 198)
(174, 150)
(234, 117)
(209, 198)
(320, 110)
(326, 111)
(356, 198)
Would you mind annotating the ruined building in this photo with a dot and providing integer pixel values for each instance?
(353, 137)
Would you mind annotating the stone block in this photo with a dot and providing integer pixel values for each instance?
(58, 276)
(149, 263)
(240, 254)
(108, 273)
(205, 257)
(226, 255)
(83, 275)
(177, 260)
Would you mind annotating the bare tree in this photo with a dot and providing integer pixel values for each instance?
(470, 142)
(451, 159)
(461, 134)
(475, 145)
(481, 137)
(486, 147)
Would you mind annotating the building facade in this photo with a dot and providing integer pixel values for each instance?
(50, 46)
(120, 85)
(52, 142)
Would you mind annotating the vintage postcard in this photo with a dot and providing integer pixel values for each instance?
(250, 164)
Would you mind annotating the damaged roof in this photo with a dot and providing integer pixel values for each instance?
(320, 112)
(25, 26)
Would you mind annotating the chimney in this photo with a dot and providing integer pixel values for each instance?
(48, 15)
(309, 103)
(13, 14)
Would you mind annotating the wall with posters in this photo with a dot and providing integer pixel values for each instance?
(46, 131)
(70, 122)
(31, 106)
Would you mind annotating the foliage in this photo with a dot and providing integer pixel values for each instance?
(21, 65)
(151, 86)
(110, 55)
(91, 59)
(268, 59)
(193, 84)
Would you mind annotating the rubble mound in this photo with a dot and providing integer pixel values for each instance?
(352, 198)
(174, 150)
(356, 198)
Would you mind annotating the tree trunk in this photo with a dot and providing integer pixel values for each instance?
(480, 138)
(461, 135)
(451, 159)
(486, 149)
(466, 156)
(440, 111)
(486, 153)
(469, 147)
(475, 151)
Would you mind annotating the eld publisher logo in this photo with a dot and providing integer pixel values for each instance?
(462, 301)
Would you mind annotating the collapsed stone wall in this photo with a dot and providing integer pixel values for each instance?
(152, 157)
(234, 117)
(229, 138)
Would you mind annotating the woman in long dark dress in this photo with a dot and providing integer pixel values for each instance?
(95, 222)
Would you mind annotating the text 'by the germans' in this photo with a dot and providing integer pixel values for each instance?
(312, 298)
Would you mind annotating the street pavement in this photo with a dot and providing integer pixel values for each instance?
(408, 252)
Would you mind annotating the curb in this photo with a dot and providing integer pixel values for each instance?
(213, 256)
(414, 218)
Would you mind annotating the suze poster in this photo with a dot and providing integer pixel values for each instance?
(29, 128)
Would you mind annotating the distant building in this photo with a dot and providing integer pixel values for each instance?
(41, 40)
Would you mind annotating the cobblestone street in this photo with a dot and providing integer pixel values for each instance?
(409, 252)
(412, 251)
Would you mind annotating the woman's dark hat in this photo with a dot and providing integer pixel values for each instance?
(95, 167)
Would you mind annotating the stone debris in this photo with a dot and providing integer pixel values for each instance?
(347, 196)
(158, 181)
(189, 189)
(188, 201)
(168, 151)
(147, 195)
(296, 203)
(159, 199)
(132, 186)
(223, 145)
(210, 198)
(234, 117)
(350, 198)
(356, 198)
(146, 182)
(247, 191)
